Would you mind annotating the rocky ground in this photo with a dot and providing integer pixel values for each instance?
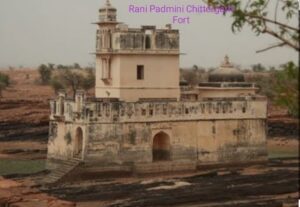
(24, 111)
(273, 184)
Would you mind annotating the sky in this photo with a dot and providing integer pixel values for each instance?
(33, 32)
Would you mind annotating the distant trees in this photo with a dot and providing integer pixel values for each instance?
(74, 66)
(258, 68)
(4, 82)
(73, 80)
(280, 86)
(67, 77)
(193, 76)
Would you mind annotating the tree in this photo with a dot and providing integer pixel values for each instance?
(258, 68)
(45, 73)
(72, 79)
(89, 80)
(56, 84)
(76, 66)
(4, 82)
(190, 76)
(261, 21)
(286, 87)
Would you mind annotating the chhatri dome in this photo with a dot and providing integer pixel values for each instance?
(226, 73)
(108, 13)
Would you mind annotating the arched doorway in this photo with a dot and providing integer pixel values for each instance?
(161, 149)
(78, 143)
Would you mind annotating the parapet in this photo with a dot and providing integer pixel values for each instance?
(99, 111)
(147, 39)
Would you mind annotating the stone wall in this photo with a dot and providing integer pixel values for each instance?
(119, 133)
(205, 141)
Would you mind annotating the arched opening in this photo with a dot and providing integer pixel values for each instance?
(161, 150)
(78, 143)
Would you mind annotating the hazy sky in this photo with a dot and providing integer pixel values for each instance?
(60, 31)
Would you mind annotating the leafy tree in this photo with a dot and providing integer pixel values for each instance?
(4, 82)
(286, 88)
(256, 14)
(45, 73)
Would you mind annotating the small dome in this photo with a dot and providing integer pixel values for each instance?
(226, 73)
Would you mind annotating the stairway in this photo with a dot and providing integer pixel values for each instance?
(65, 166)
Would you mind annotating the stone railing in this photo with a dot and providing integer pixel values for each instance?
(107, 112)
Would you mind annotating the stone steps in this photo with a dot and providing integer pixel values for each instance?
(63, 169)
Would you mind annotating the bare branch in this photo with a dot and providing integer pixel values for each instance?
(274, 34)
(271, 47)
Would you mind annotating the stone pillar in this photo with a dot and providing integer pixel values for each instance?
(79, 100)
(61, 102)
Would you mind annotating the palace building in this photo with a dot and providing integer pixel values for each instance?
(142, 121)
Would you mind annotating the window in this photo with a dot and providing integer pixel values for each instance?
(140, 72)
(148, 42)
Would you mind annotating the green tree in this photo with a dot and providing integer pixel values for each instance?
(286, 88)
(45, 73)
(257, 15)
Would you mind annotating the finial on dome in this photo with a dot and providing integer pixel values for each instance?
(108, 3)
(226, 62)
(226, 59)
